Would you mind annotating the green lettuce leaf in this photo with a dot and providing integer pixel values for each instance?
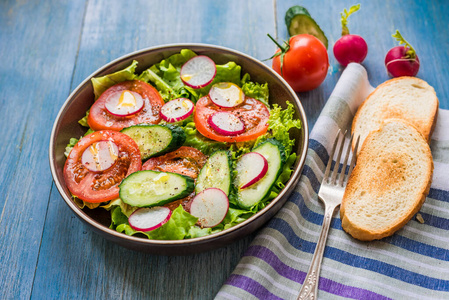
(82, 204)
(196, 231)
(101, 84)
(83, 121)
(196, 140)
(255, 90)
(73, 141)
(280, 123)
(235, 216)
(126, 209)
(70, 145)
(178, 227)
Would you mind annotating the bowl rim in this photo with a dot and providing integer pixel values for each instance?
(197, 240)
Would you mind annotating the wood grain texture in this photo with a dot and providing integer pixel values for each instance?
(38, 56)
(48, 48)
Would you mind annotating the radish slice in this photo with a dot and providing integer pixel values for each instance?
(100, 156)
(225, 123)
(177, 110)
(198, 71)
(147, 219)
(210, 207)
(251, 168)
(124, 103)
(226, 94)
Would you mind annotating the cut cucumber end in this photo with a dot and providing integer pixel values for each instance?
(216, 173)
(152, 188)
(155, 140)
(299, 21)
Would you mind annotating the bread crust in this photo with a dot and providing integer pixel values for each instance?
(362, 231)
(425, 129)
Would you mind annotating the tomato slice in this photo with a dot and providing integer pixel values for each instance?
(95, 187)
(252, 112)
(185, 161)
(100, 119)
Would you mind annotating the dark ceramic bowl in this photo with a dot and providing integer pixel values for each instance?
(66, 126)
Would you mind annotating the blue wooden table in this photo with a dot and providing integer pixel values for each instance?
(48, 47)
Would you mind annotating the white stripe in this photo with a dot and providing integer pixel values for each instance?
(345, 274)
(434, 207)
(441, 132)
(308, 190)
(313, 164)
(440, 176)
(427, 235)
(392, 255)
(268, 277)
(227, 296)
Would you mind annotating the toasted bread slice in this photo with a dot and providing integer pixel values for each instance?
(389, 182)
(408, 98)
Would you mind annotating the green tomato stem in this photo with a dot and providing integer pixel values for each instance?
(284, 48)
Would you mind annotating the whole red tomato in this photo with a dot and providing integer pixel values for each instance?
(305, 62)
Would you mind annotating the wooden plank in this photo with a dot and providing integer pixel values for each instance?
(38, 51)
(77, 263)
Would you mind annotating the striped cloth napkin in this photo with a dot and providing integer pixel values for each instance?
(411, 264)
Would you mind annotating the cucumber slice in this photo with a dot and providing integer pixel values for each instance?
(152, 188)
(155, 139)
(299, 21)
(274, 152)
(216, 173)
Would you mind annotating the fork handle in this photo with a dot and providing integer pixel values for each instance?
(309, 288)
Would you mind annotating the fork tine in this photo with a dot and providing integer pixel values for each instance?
(331, 156)
(337, 160)
(354, 156)
(348, 150)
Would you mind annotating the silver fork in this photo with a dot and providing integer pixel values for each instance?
(331, 193)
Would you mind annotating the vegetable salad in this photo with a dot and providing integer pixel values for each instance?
(155, 141)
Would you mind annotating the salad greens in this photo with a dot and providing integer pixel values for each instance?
(165, 76)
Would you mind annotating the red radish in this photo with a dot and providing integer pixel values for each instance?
(250, 168)
(226, 94)
(350, 47)
(402, 60)
(198, 71)
(226, 123)
(100, 156)
(124, 103)
(177, 110)
(147, 219)
(210, 207)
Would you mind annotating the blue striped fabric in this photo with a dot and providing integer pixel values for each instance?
(412, 264)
